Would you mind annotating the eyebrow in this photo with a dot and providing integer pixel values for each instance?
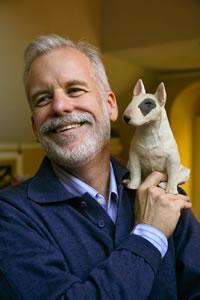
(76, 82)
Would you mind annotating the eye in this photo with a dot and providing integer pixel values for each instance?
(42, 100)
(75, 91)
(149, 103)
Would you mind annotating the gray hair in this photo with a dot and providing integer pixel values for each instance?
(46, 43)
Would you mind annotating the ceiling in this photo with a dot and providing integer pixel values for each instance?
(166, 57)
(159, 35)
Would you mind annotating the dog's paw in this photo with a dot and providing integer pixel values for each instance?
(130, 184)
(126, 181)
(172, 190)
(163, 185)
(133, 185)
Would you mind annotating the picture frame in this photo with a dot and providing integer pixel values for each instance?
(10, 167)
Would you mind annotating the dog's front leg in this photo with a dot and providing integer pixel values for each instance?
(173, 165)
(134, 167)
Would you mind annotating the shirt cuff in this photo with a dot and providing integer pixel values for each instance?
(153, 235)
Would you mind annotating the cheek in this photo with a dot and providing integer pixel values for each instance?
(92, 107)
(39, 116)
(36, 122)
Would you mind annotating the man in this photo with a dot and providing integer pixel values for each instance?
(74, 231)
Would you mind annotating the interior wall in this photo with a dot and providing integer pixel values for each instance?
(20, 22)
(106, 24)
(184, 111)
(196, 166)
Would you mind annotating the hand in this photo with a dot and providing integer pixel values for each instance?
(156, 207)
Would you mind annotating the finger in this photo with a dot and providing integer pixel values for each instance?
(153, 179)
(184, 204)
(177, 197)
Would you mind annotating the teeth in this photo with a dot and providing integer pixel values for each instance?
(67, 127)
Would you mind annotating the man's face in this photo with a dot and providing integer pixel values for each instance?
(69, 116)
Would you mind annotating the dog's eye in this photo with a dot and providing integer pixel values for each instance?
(146, 106)
(148, 103)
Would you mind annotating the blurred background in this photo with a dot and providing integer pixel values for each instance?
(152, 40)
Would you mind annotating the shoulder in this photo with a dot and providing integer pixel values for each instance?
(186, 235)
(18, 190)
(188, 227)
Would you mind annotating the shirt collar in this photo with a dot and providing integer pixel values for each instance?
(77, 187)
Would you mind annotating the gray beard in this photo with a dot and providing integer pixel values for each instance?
(93, 142)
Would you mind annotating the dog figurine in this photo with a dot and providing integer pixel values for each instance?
(153, 147)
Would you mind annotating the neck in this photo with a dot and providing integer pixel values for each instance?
(95, 173)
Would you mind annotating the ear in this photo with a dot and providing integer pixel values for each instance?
(35, 131)
(112, 106)
(161, 94)
(139, 88)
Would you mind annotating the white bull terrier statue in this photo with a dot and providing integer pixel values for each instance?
(153, 147)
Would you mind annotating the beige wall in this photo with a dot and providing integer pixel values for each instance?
(20, 22)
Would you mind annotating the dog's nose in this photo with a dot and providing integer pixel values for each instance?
(126, 119)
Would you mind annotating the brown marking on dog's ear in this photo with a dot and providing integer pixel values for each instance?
(161, 94)
(139, 88)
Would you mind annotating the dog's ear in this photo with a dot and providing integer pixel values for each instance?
(161, 94)
(139, 88)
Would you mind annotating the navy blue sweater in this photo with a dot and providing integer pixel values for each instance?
(56, 246)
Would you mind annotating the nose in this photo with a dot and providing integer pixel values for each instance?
(126, 119)
(61, 103)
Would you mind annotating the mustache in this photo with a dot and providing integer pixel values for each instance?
(74, 117)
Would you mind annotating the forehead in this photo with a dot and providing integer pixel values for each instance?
(58, 65)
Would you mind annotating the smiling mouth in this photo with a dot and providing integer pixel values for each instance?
(67, 127)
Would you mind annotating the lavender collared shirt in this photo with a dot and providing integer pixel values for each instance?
(78, 188)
